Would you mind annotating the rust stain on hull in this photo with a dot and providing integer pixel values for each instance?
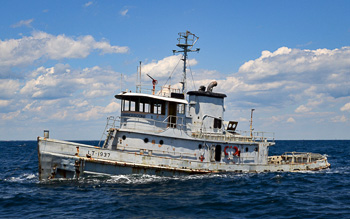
(56, 164)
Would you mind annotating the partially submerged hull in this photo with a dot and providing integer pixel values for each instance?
(62, 159)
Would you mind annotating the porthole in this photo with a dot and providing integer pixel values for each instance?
(199, 146)
(145, 140)
(161, 142)
(246, 149)
(124, 137)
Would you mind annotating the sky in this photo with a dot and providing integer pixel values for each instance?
(62, 62)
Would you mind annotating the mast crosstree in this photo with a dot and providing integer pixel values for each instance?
(186, 42)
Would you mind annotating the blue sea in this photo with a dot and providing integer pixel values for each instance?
(320, 194)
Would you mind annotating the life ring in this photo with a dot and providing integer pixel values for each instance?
(225, 150)
(237, 151)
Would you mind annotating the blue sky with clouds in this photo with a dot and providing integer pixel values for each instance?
(61, 62)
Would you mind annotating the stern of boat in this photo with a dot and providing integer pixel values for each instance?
(299, 161)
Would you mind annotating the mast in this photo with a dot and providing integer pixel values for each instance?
(251, 122)
(138, 79)
(186, 42)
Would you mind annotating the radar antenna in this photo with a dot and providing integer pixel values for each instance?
(186, 42)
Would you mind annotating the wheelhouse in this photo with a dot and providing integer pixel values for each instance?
(153, 111)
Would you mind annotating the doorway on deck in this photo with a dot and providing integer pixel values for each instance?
(218, 153)
(172, 115)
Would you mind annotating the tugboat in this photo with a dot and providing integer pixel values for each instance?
(170, 132)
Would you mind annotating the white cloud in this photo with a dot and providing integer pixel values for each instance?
(124, 12)
(60, 115)
(79, 103)
(24, 51)
(162, 69)
(112, 107)
(8, 88)
(4, 103)
(339, 119)
(21, 23)
(291, 120)
(302, 109)
(105, 47)
(51, 84)
(289, 76)
(299, 65)
(280, 79)
(316, 102)
(260, 67)
(62, 93)
(11, 115)
(93, 113)
(87, 4)
(96, 112)
(98, 90)
(346, 107)
(31, 107)
(61, 81)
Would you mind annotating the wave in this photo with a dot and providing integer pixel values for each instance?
(23, 178)
(144, 178)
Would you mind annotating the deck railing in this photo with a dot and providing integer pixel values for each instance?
(300, 157)
(164, 91)
(156, 126)
(295, 158)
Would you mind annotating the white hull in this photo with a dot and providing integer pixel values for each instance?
(61, 159)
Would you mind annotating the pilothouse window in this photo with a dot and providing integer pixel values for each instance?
(144, 105)
(158, 108)
(147, 108)
(180, 108)
(141, 108)
(126, 105)
(132, 106)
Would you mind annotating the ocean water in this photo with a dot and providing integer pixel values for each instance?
(320, 194)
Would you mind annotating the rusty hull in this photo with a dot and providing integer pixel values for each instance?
(61, 159)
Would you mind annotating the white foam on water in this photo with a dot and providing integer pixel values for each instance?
(277, 177)
(136, 179)
(144, 179)
(338, 170)
(25, 177)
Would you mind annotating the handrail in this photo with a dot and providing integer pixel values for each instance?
(259, 136)
(168, 120)
(110, 124)
(159, 91)
(156, 124)
(180, 124)
(296, 157)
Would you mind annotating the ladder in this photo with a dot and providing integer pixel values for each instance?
(110, 124)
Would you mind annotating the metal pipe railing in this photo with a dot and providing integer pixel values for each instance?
(157, 126)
